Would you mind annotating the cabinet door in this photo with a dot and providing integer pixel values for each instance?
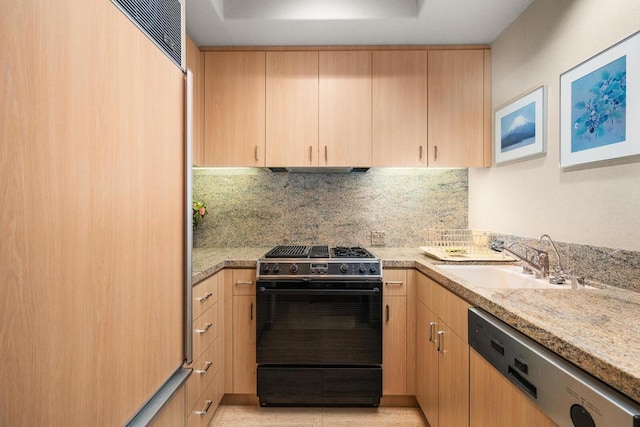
(427, 363)
(195, 62)
(496, 402)
(450, 308)
(292, 109)
(234, 130)
(453, 378)
(244, 344)
(399, 110)
(394, 350)
(345, 108)
(456, 108)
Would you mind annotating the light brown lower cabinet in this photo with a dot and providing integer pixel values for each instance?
(204, 388)
(244, 331)
(172, 415)
(398, 357)
(442, 355)
(202, 413)
(394, 354)
(495, 402)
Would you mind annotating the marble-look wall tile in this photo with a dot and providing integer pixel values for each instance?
(257, 207)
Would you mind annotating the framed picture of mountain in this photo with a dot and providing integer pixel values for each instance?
(519, 128)
(600, 106)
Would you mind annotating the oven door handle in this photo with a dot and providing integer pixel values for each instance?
(374, 291)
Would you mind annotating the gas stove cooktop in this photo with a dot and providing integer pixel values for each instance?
(319, 262)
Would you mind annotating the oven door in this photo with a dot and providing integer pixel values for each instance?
(319, 323)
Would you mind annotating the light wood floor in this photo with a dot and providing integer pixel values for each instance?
(251, 415)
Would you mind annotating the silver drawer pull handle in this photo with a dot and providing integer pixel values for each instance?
(205, 297)
(244, 283)
(206, 368)
(391, 282)
(206, 408)
(432, 327)
(440, 341)
(205, 329)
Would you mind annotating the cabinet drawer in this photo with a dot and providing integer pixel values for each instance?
(394, 281)
(243, 281)
(205, 294)
(204, 370)
(202, 413)
(205, 330)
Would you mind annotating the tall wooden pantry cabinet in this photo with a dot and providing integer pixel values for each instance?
(91, 215)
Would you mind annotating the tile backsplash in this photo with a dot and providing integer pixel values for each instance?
(251, 207)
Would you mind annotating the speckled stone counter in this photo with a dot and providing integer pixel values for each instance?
(596, 329)
(208, 261)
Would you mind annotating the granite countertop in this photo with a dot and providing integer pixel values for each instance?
(596, 329)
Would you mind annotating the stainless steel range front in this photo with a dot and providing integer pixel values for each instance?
(319, 326)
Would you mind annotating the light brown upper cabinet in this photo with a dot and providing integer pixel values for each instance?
(399, 108)
(292, 109)
(234, 129)
(195, 62)
(345, 108)
(457, 119)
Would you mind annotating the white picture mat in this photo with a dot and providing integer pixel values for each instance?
(539, 147)
(631, 48)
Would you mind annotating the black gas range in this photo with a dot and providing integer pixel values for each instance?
(319, 262)
(319, 326)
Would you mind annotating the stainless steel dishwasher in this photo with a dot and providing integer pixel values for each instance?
(567, 395)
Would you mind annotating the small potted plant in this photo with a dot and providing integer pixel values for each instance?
(199, 211)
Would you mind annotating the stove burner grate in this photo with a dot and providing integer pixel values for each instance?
(350, 252)
(319, 252)
(291, 251)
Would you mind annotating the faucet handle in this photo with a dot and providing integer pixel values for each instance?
(543, 262)
(497, 245)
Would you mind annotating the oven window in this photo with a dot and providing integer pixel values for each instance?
(321, 327)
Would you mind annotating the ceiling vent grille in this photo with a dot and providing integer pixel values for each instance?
(160, 20)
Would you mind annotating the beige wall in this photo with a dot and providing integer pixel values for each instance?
(596, 204)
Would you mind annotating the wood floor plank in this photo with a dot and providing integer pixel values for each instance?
(249, 415)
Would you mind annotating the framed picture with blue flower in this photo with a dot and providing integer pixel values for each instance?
(600, 106)
(519, 128)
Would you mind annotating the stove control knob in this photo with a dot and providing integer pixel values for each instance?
(265, 268)
(276, 268)
(343, 268)
(362, 268)
(373, 269)
(293, 268)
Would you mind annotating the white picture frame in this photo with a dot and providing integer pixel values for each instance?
(520, 128)
(600, 106)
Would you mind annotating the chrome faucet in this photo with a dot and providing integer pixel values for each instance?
(537, 263)
(553, 245)
(561, 274)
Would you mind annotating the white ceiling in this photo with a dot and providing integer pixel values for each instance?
(349, 22)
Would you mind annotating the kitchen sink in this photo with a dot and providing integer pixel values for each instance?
(499, 277)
